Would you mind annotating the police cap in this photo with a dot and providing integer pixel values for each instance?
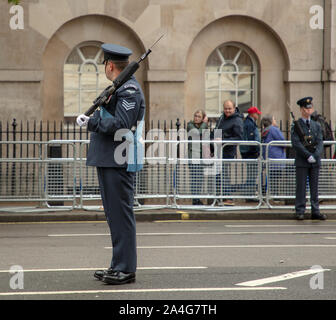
(305, 102)
(115, 52)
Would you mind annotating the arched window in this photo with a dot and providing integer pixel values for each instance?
(84, 78)
(231, 73)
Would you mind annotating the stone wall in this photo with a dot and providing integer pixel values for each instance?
(294, 60)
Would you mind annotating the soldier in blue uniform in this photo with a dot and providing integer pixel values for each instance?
(109, 151)
(307, 141)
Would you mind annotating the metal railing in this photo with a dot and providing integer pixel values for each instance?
(37, 177)
(169, 179)
(280, 177)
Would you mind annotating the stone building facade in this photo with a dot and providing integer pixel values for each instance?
(266, 53)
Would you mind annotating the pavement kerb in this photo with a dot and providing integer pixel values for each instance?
(159, 215)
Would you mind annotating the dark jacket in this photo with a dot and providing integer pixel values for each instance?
(301, 153)
(231, 129)
(107, 146)
(251, 133)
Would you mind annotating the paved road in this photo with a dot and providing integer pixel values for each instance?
(205, 260)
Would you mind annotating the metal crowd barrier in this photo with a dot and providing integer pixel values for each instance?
(169, 179)
(37, 177)
(151, 183)
(281, 182)
(169, 174)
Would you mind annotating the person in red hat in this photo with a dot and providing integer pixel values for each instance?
(251, 133)
(254, 112)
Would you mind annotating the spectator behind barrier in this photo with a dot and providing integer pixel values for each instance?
(271, 132)
(195, 130)
(231, 125)
(251, 133)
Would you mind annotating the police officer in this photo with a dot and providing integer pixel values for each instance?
(307, 141)
(108, 152)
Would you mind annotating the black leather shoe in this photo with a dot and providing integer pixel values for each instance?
(99, 274)
(118, 277)
(299, 216)
(319, 216)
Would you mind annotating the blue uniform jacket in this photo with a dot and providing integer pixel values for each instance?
(108, 147)
(301, 153)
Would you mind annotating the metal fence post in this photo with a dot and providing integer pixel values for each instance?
(55, 174)
(13, 182)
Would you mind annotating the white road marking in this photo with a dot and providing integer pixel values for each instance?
(241, 246)
(330, 238)
(118, 291)
(193, 233)
(227, 221)
(313, 225)
(55, 222)
(79, 235)
(282, 277)
(102, 268)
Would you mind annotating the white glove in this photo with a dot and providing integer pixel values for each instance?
(311, 159)
(82, 120)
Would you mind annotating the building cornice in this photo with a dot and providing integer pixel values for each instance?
(21, 75)
(310, 76)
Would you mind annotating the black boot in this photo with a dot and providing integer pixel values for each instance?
(318, 216)
(299, 216)
(118, 277)
(99, 274)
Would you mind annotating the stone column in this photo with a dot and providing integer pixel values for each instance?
(166, 91)
(329, 72)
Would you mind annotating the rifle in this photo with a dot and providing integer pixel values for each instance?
(124, 76)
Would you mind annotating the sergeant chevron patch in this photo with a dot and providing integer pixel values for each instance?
(128, 105)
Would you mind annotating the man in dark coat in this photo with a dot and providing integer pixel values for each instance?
(307, 141)
(229, 128)
(108, 151)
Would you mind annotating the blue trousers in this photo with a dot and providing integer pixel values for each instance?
(301, 184)
(252, 173)
(117, 192)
